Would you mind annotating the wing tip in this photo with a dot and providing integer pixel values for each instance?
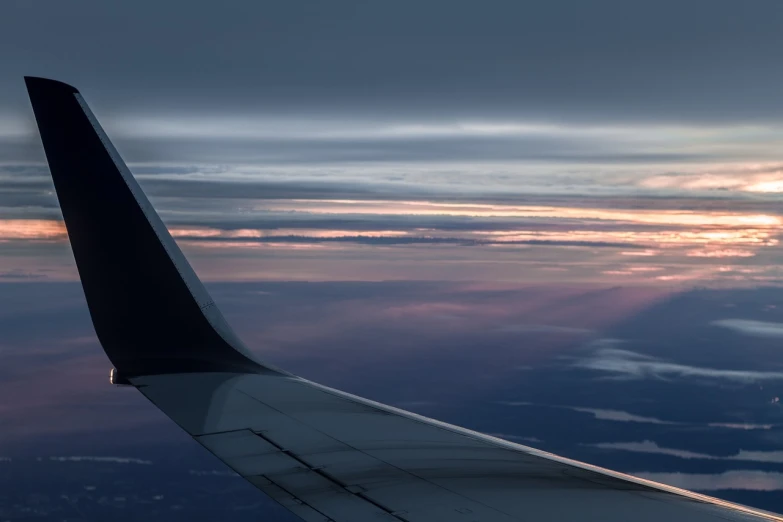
(38, 84)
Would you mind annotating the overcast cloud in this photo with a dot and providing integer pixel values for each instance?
(698, 60)
(376, 140)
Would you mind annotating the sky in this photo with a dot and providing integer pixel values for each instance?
(621, 142)
(581, 199)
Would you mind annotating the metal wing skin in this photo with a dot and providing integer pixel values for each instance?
(324, 454)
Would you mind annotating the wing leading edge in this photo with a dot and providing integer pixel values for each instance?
(324, 454)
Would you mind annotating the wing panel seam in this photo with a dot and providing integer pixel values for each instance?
(491, 508)
(319, 471)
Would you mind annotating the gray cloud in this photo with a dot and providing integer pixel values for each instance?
(751, 328)
(625, 416)
(520, 438)
(212, 473)
(555, 150)
(560, 150)
(620, 416)
(728, 480)
(28, 188)
(21, 275)
(648, 446)
(741, 426)
(632, 365)
(599, 413)
(543, 328)
(110, 460)
(393, 240)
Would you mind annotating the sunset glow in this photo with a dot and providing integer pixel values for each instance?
(32, 229)
(424, 208)
(675, 239)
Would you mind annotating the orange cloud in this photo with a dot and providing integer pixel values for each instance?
(207, 232)
(426, 208)
(721, 252)
(748, 178)
(32, 229)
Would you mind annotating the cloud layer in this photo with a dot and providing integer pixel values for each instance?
(632, 365)
(752, 328)
(527, 131)
(647, 446)
(729, 480)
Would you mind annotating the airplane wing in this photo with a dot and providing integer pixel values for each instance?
(324, 454)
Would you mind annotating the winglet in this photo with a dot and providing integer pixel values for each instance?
(149, 309)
